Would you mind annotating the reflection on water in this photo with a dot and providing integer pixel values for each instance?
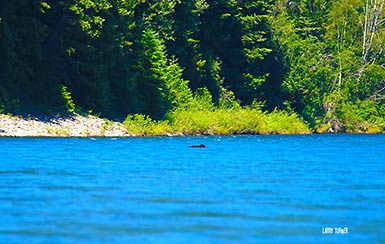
(247, 189)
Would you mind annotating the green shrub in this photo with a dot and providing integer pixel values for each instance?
(143, 125)
(69, 103)
(363, 116)
(235, 121)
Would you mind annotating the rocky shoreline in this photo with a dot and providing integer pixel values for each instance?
(71, 126)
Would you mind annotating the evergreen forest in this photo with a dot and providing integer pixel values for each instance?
(320, 61)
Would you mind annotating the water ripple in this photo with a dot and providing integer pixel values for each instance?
(246, 189)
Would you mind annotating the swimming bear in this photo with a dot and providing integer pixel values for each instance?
(201, 145)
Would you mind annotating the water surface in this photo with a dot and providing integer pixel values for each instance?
(246, 189)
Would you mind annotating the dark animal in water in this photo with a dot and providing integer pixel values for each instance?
(198, 146)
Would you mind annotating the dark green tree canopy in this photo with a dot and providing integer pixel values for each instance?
(321, 59)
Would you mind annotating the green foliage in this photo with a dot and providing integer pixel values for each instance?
(217, 122)
(235, 121)
(69, 103)
(280, 122)
(322, 60)
(178, 92)
(148, 75)
(325, 51)
(204, 118)
(362, 116)
(202, 100)
(143, 125)
(228, 100)
(159, 83)
(90, 23)
(309, 74)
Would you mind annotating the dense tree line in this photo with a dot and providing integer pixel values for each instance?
(321, 59)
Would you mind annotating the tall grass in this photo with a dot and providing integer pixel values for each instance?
(217, 121)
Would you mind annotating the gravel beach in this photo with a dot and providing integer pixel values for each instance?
(73, 126)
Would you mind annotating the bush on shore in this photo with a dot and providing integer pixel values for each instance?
(359, 117)
(217, 122)
(201, 117)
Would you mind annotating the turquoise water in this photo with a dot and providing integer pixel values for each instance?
(246, 189)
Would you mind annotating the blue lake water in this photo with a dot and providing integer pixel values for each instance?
(246, 189)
